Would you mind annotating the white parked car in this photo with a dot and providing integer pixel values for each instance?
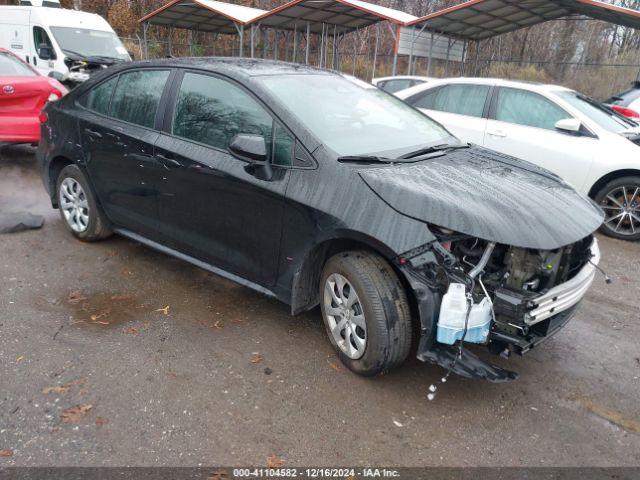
(68, 44)
(576, 138)
(399, 82)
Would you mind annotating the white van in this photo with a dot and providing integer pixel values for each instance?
(66, 44)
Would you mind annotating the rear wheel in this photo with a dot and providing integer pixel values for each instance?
(78, 208)
(620, 200)
(366, 312)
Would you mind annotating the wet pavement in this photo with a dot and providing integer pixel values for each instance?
(114, 354)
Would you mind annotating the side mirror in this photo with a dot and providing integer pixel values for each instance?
(569, 125)
(45, 52)
(131, 54)
(249, 148)
(57, 76)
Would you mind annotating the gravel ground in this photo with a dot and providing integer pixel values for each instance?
(114, 355)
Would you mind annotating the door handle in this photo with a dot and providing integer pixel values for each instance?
(168, 162)
(92, 134)
(497, 133)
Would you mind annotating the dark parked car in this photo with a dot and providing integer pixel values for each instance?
(319, 189)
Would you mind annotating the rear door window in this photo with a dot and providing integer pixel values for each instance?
(462, 99)
(137, 96)
(527, 108)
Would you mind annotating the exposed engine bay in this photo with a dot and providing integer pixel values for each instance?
(514, 298)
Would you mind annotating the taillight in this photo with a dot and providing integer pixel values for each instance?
(627, 112)
(44, 118)
(54, 96)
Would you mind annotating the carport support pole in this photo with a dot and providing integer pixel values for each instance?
(295, 42)
(355, 51)
(252, 32)
(334, 50)
(306, 47)
(170, 41)
(396, 34)
(446, 65)
(145, 27)
(430, 56)
(375, 52)
(413, 41)
(275, 44)
(464, 54)
(321, 48)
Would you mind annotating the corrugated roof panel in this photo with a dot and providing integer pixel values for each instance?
(510, 15)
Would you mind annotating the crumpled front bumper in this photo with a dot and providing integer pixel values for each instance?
(565, 296)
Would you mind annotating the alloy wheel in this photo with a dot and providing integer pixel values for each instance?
(345, 316)
(74, 205)
(622, 209)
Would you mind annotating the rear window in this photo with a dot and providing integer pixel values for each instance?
(137, 96)
(12, 67)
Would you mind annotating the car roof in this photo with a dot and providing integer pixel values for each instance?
(531, 86)
(65, 17)
(233, 65)
(403, 77)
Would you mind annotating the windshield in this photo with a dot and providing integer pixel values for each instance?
(352, 117)
(12, 67)
(89, 43)
(596, 112)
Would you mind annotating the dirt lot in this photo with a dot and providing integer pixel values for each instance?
(171, 365)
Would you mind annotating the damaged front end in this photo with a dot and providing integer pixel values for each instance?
(509, 299)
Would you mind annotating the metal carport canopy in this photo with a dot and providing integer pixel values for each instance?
(347, 15)
(482, 19)
(203, 16)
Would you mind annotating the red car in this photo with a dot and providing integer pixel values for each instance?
(23, 94)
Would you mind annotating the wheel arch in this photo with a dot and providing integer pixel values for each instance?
(55, 167)
(306, 279)
(610, 177)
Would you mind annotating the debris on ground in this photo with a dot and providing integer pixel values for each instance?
(75, 298)
(19, 222)
(75, 414)
(257, 358)
(273, 461)
(58, 390)
(164, 311)
(268, 371)
(131, 331)
(6, 453)
(335, 366)
(101, 422)
(397, 423)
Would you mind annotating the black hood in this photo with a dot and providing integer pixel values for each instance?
(488, 195)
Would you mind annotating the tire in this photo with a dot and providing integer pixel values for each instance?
(380, 304)
(622, 217)
(83, 217)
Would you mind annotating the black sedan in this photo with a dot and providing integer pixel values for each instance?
(319, 189)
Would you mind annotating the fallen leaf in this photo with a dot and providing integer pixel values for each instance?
(100, 422)
(257, 358)
(273, 461)
(218, 325)
(335, 366)
(6, 453)
(20, 358)
(131, 331)
(164, 311)
(99, 315)
(75, 297)
(75, 414)
(60, 389)
(125, 272)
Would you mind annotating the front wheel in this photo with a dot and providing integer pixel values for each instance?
(366, 312)
(620, 200)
